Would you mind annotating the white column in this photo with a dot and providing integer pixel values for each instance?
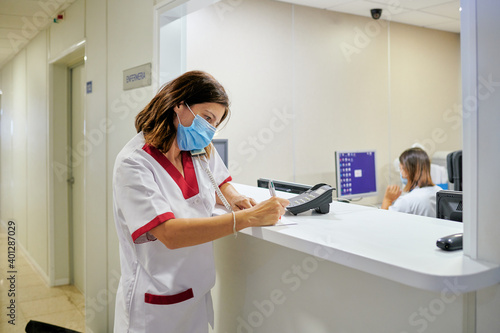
(480, 23)
(481, 123)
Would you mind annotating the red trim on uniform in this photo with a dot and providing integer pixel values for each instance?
(188, 184)
(169, 299)
(152, 224)
(190, 176)
(228, 179)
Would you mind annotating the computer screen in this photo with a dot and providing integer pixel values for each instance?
(449, 205)
(356, 174)
(221, 146)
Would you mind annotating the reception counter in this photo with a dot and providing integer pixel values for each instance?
(341, 271)
(396, 246)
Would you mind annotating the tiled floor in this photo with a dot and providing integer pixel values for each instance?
(63, 306)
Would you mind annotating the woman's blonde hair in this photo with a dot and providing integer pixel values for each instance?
(156, 120)
(417, 165)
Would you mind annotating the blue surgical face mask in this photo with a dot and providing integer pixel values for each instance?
(403, 180)
(197, 136)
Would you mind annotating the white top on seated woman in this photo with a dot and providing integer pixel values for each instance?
(419, 193)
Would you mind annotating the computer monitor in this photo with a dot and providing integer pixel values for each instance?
(356, 174)
(222, 148)
(449, 205)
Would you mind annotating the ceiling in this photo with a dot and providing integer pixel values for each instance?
(20, 20)
(433, 14)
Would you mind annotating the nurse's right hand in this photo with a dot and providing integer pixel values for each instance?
(266, 212)
(391, 194)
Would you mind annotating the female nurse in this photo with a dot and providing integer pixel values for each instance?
(164, 196)
(420, 191)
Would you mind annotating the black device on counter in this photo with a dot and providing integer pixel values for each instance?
(451, 242)
(280, 185)
(318, 197)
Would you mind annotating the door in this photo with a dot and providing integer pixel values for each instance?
(77, 146)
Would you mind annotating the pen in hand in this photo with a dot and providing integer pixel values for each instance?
(272, 190)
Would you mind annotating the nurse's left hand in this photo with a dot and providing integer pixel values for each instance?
(242, 202)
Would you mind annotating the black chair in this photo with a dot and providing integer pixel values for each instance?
(449, 205)
(39, 327)
(454, 165)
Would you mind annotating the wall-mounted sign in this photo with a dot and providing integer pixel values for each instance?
(89, 87)
(137, 77)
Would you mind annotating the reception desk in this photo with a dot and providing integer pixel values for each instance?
(355, 269)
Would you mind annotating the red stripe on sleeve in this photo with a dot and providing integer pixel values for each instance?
(228, 179)
(152, 224)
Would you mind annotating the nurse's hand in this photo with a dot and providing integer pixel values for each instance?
(391, 194)
(235, 199)
(242, 202)
(266, 212)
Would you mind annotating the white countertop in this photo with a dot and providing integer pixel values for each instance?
(397, 246)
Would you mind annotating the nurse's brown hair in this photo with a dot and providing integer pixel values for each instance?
(156, 120)
(417, 164)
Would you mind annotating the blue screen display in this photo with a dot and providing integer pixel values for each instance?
(356, 174)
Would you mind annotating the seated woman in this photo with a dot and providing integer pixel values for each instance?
(420, 191)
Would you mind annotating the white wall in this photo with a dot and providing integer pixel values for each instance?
(342, 82)
(24, 149)
(99, 293)
(69, 31)
(425, 96)
(129, 44)
(19, 167)
(6, 158)
(36, 152)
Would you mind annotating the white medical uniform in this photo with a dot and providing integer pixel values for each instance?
(162, 290)
(419, 201)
